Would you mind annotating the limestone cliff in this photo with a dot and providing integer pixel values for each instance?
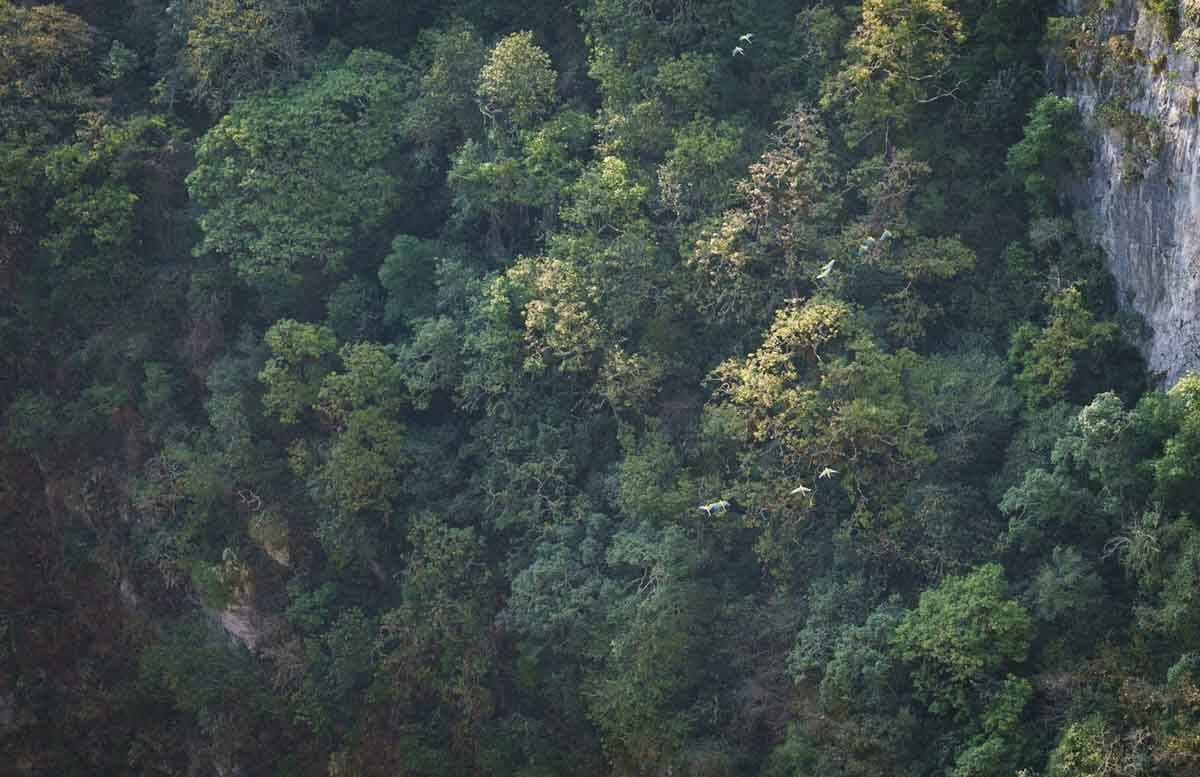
(1133, 74)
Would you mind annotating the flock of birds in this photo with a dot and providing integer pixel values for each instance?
(871, 242)
(863, 248)
(721, 506)
(747, 38)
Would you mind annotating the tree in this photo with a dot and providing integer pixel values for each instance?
(968, 406)
(962, 633)
(29, 425)
(363, 470)
(759, 251)
(1000, 747)
(518, 185)
(688, 84)
(1053, 146)
(652, 667)
(517, 82)
(354, 310)
(1090, 748)
(293, 374)
(1090, 483)
(861, 672)
(559, 596)
(424, 381)
(370, 378)
(923, 264)
(236, 48)
(1177, 470)
(407, 276)
(696, 177)
(819, 393)
(109, 189)
(652, 486)
(47, 64)
(1066, 590)
(293, 184)
(607, 195)
(1053, 361)
(217, 686)
(445, 112)
(437, 648)
(901, 56)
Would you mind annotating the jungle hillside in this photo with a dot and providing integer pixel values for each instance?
(600, 388)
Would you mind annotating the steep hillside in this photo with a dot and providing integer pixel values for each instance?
(615, 388)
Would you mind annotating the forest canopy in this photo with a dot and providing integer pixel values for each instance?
(721, 387)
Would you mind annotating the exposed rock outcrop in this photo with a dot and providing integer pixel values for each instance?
(243, 617)
(242, 622)
(1137, 91)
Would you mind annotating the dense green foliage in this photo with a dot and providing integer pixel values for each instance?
(365, 364)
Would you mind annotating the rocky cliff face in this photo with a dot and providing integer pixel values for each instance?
(1136, 85)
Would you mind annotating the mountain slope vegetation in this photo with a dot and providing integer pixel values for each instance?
(365, 365)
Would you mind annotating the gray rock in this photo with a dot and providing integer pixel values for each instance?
(1149, 228)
